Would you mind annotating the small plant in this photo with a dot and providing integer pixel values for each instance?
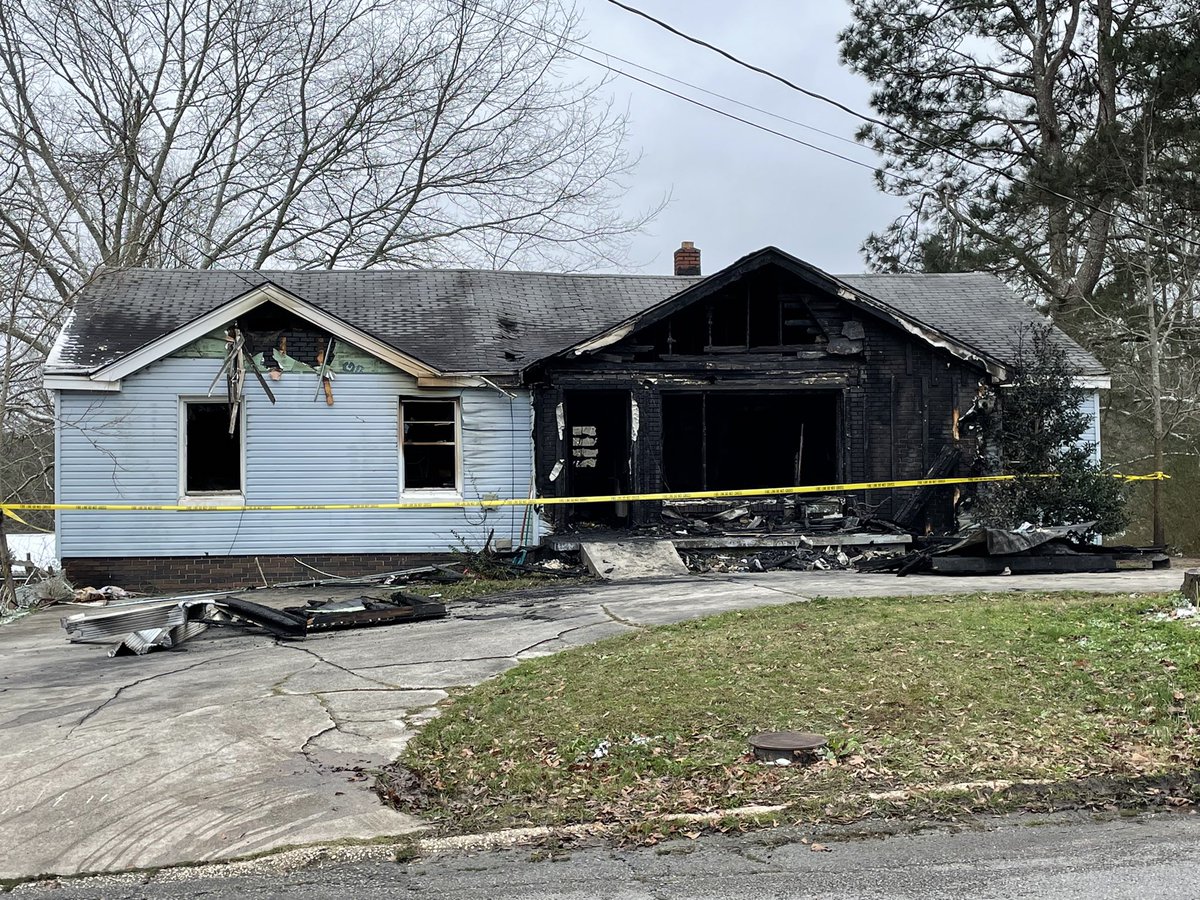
(407, 852)
(843, 745)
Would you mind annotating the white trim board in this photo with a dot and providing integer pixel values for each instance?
(108, 378)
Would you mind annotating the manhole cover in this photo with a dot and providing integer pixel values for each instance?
(774, 746)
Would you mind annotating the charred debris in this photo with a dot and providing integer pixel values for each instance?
(829, 533)
(134, 625)
(1027, 550)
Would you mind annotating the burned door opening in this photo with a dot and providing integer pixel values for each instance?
(598, 452)
(731, 440)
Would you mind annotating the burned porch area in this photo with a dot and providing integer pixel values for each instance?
(769, 374)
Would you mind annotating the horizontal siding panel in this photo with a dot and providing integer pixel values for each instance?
(1090, 407)
(123, 448)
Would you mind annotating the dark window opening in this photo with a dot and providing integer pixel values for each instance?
(764, 320)
(719, 441)
(429, 444)
(689, 330)
(213, 456)
(598, 452)
(729, 320)
(797, 325)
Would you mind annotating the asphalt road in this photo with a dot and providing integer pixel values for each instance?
(1155, 856)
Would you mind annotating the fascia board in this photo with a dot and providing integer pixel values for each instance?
(53, 382)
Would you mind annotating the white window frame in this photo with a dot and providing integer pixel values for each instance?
(449, 493)
(209, 498)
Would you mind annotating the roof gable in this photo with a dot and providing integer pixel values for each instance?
(171, 341)
(773, 256)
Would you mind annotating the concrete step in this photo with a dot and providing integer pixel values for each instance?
(627, 560)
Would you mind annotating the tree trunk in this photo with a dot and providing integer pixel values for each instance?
(1158, 529)
(8, 585)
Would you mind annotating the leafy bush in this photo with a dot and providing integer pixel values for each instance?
(1035, 429)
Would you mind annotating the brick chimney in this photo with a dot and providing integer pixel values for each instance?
(687, 259)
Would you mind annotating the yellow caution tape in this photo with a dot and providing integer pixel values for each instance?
(542, 501)
(12, 515)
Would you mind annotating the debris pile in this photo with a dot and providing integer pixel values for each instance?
(1185, 612)
(799, 559)
(775, 515)
(524, 563)
(91, 596)
(164, 624)
(140, 626)
(500, 564)
(1027, 550)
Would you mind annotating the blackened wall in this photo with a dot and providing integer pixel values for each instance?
(899, 395)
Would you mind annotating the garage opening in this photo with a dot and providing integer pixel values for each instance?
(732, 440)
(598, 449)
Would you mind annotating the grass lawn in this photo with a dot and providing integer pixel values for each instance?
(932, 705)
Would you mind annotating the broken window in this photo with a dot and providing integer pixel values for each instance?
(212, 457)
(797, 325)
(429, 444)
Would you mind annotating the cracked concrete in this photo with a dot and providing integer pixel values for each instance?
(236, 743)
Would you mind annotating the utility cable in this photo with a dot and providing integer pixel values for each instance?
(509, 22)
(995, 170)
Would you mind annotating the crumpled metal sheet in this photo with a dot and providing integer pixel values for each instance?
(1005, 542)
(139, 643)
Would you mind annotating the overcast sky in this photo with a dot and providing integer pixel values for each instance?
(735, 189)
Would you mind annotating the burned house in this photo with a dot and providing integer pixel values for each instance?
(772, 373)
(444, 388)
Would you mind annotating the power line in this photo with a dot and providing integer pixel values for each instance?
(996, 170)
(509, 21)
(721, 112)
(751, 66)
(608, 54)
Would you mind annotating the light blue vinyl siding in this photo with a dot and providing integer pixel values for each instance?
(123, 447)
(1091, 408)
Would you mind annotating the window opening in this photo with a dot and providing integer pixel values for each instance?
(212, 456)
(429, 438)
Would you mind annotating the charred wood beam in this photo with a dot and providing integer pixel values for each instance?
(943, 465)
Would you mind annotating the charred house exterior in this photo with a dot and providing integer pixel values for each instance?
(772, 373)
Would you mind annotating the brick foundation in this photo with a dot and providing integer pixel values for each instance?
(162, 574)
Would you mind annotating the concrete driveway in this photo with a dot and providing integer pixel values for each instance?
(236, 744)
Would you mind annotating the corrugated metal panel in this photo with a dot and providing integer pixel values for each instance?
(123, 447)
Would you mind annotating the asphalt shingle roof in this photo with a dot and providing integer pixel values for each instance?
(974, 308)
(481, 321)
(454, 320)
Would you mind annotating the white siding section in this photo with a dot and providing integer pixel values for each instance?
(1091, 408)
(124, 448)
